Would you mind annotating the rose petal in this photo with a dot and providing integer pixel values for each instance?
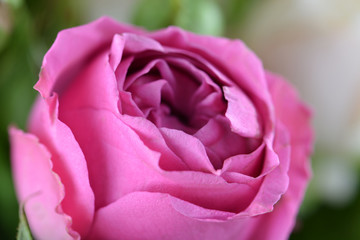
(69, 162)
(294, 114)
(156, 63)
(95, 86)
(189, 149)
(116, 51)
(256, 164)
(242, 113)
(296, 117)
(210, 106)
(117, 160)
(143, 215)
(153, 139)
(193, 68)
(249, 164)
(221, 143)
(276, 179)
(127, 105)
(135, 43)
(209, 191)
(60, 64)
(121, 72)
(39, 188)
(148, 95)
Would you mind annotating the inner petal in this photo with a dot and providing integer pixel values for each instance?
(173, 93)
(242, 113)
(222, 143)
(147, 96)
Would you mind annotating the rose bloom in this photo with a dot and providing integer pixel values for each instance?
(160, 135)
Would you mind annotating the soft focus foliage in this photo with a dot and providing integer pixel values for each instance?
(200, 16)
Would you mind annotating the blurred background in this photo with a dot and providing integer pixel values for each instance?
(315, 44)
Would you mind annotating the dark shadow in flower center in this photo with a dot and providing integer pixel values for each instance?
(180, 100)
(182, 117)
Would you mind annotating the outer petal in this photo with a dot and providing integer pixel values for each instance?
(294, 114)
(38, 188)
(94, 87)
(296, 118)
(69, 162)
(144, 215)
(60, 64)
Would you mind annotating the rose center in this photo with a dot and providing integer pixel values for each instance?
(173, 93)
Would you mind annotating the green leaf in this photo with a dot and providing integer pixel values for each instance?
(14, 3)
(154, 14)
(24, 232)
(199, 16)
(3, 37)
(237, 10)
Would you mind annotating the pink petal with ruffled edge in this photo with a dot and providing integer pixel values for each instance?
(39, 188)
(69, 162)
(296, 118)
(276, 180)
(60, 64)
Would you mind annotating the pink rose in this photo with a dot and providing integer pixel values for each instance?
(160, 135)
